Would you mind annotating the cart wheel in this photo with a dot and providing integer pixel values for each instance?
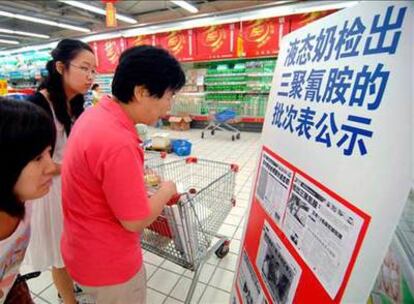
(212, 132)
(223, 250)
(233, 137)
(202, 134)
(238, 136)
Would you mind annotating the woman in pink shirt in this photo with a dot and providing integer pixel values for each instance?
(105, 203)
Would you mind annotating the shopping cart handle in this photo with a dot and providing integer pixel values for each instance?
(174, 199)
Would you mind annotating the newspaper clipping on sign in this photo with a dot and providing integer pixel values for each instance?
(273, 186)
(323, 230)
(249, 285)
(278, 268)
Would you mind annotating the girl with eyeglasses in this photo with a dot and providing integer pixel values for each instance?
(70, 75)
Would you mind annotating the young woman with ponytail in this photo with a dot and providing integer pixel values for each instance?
(70, 75)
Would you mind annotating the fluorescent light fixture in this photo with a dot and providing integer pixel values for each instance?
(7, 31)
(185, 5)
(46, 46)
(329, 5)
(206, 20)
(98, 10)
(9, 41)
(43, 21)
(103, 36)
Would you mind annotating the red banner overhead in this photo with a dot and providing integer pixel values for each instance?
(178, 43)
(107, 54)
(140, 40)
(215, 42)
(262, 37)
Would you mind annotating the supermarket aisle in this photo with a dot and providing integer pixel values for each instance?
(168, 283)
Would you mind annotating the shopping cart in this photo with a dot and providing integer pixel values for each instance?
(221, 121)
(185, 230)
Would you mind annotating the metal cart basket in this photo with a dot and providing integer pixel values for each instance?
(184, 232)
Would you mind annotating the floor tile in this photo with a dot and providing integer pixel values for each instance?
(153, 259)
(180, 291)
(205, 274)
(172, 267)
(50, 294)
(214, 296)
(222, 279)
(235, 246)
(227, 230)
(40, 283)
(163, 281)
(154, 297)
(169, 300)
(39, 300)
(150, 269)
(229, 262)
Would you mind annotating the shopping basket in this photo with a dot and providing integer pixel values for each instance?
(184, 232)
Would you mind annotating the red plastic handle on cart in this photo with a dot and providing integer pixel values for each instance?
(191, 160)
(174, 199)
(234, 168)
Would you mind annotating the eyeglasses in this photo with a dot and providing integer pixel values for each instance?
(85, 70)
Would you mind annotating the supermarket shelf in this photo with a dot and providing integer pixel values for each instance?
(191, 93)
(226, 75)
(259, 74)
(201, 117)
(225, 83)
(237, 92)
(225, 101)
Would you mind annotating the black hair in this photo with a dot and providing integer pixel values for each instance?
(153, 67)
(65, 52)
(25, 131)
(95, 86)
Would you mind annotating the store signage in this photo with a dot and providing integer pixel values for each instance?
(215, 42)
(107, 54)
(3, 87)
(140, 40)
(298, 21)
(262, 37)
(335, 166)
(178, 43)
(110, 15)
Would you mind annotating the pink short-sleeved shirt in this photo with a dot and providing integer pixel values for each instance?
(102, 183)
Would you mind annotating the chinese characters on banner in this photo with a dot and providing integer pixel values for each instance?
(215, 42)
(178, 43)
(298, 21)
(140, 40)
(262, 37)
(107, 54)
(330, 186)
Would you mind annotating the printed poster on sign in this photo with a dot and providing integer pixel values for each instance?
(340, 104)
(249, 285)
(273, 186)
(323, 231)
(279, 270)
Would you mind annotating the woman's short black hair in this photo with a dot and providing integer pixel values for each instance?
(153, 67)
(25, 131)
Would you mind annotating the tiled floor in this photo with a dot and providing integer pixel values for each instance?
(168, 283)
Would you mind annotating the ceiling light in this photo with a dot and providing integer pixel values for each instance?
(97, 10)
(7, 31)
(9, 41)
(185, 5)
(43, 21)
